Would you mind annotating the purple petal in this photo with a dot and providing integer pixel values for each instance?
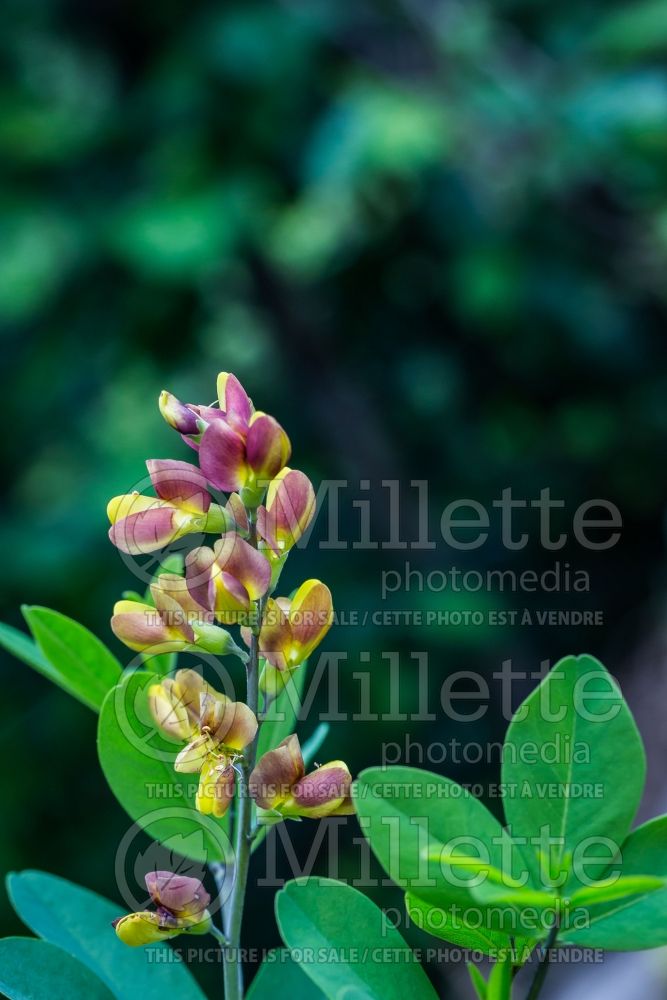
(199, 576)
(222, 457)
(144, 532)
(180, 483)
(267, 447)
(234, 402)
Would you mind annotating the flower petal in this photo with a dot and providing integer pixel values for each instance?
(310, 617)
(192, 757)
(179, 416)
(141, 628)
(323, 791)
(290, 507)
(236, 508)
(222, 457)
(276, 773)
(231, 723)
(121, 507)
(234, 402)
(216, 787)
(180, 483)
(143, 928)
(176, 588)
(237, 557)
(178, 893)
(199, 568)
(275, 637)
(169, 714)
(172, 613)
(267, 447)
(147, 531)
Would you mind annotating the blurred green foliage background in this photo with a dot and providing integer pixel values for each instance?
(429, 235)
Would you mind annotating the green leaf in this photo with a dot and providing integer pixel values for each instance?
(280, 978)
(563, 756)
(81, 663)
(403, 811)
(137, 762)
(447, 926)
(79, 921)
(35, 970)
(478, 981)
(499, 985)
(26, 649)
(621, 888)
(637, 922)
(349, 935)
(280, 720)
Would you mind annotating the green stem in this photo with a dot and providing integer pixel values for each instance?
(233, 967)
(543, 967)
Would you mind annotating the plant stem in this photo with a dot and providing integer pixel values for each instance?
(233, 967)
(543, 967)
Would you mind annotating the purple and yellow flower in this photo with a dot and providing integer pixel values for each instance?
(142, 524)
(241, 447)
(181, 907)
(279, 784)
(289, 509)
(174, 622)
(180, 416)
(291, 629)
(228, 578)
(216, 731)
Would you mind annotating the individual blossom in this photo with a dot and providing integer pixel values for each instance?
(291, 629)
(241, 448)
(228, 578)
(181, 907)
(279, 784)
(287, 513)
(175, 622)
(216, 731)
(142, 524)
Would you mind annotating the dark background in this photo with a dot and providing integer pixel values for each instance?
(430, 237)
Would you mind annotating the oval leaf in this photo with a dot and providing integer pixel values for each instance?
(404, 812)
(83, 665)
(640, 921)
(335, 921)
(574, 732)
(280, 978)
(35, 970)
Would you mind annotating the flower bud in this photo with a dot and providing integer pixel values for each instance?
(181, 907)
(179, 416)
(280, 785)
(290, 507)
(181, 894)
(292, 629)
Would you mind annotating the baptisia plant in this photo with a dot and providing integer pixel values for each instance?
(159, 718)
(229, 767)
(229, 583)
